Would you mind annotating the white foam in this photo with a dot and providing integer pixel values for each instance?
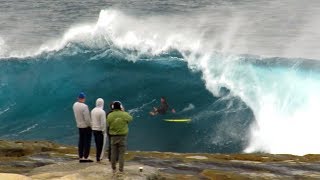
(28, 129)
(274, 28)
(287, 116)
(5, 110)
(140, 108)
(150, 35)
(188, 108)
(284, 102)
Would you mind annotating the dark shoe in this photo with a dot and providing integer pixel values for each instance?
(85, 161)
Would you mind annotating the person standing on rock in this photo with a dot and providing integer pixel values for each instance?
(98, 116)
(109, 136)
(83, 120)
(118, 121)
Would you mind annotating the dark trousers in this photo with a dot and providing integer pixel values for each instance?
(84, 142)
(98, 138)
(118, 147)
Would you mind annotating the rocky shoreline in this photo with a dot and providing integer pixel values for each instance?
(45, 160)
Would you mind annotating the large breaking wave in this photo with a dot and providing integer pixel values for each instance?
(239, 102)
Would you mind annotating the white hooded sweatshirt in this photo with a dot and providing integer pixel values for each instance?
(98, 116)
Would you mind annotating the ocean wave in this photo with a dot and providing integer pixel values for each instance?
(281, 108)
(283, 98)
(115, 29)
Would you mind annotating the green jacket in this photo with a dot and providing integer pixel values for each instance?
(118, 122)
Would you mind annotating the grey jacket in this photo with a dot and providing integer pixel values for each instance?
(82, 115)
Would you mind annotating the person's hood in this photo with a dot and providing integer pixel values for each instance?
(100, 103)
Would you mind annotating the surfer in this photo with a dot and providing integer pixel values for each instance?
(98, 116)
(83, 120)
(162, 109)
(118, 121)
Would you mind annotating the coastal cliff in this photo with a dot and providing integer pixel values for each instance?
(46, 160)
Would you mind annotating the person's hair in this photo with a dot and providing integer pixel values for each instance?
(117, 105)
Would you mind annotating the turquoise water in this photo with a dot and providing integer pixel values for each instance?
(40, 105)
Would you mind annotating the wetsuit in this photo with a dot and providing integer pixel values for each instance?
(163, 108)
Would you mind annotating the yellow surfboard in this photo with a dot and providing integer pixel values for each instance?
(177, 120)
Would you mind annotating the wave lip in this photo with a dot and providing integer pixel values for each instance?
(114, 29)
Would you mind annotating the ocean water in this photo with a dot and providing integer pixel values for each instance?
(246, 72)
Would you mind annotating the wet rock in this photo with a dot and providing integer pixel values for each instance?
(76, 170)
(23, 156)
(20, 148)
(46, 160)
